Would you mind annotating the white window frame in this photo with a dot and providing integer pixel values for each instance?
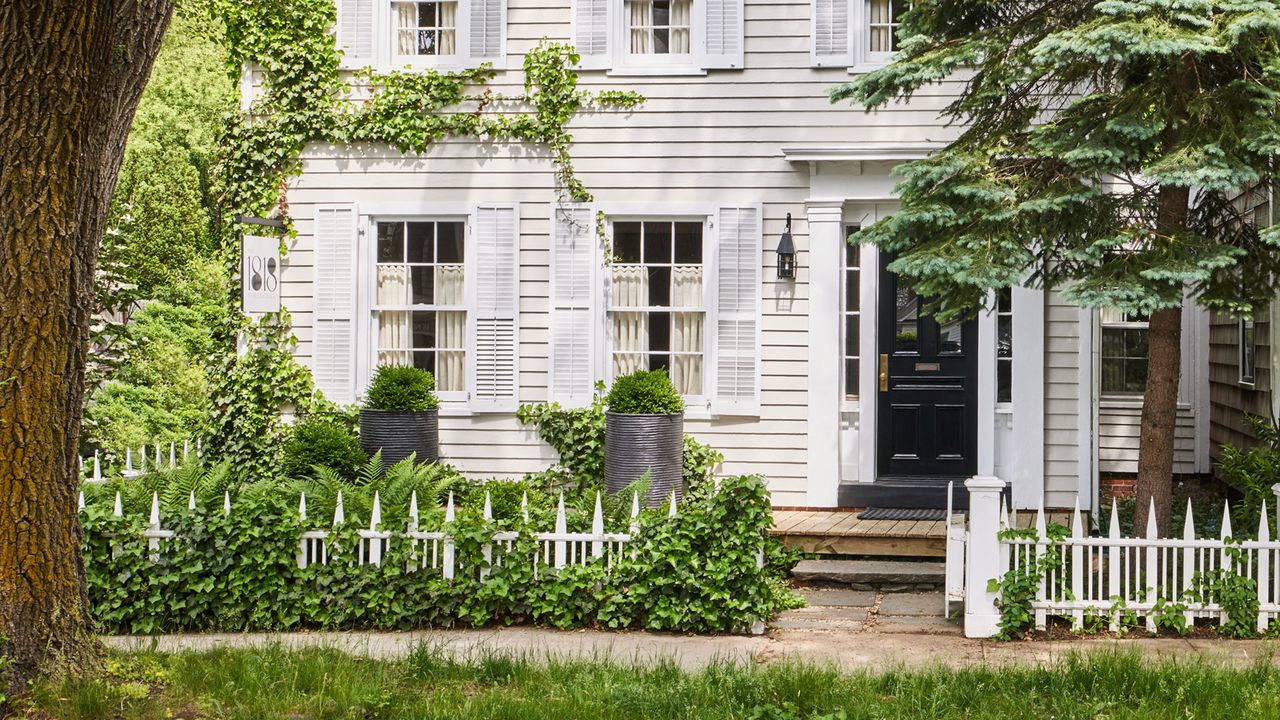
(1248, 368)
(451, 402)
(386, 42)
(626, 63)
(864, 60)
(850, 396)
(699, 405)
(1126, 324)
(1005, 315)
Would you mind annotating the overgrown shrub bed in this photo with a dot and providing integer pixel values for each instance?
(695, 572)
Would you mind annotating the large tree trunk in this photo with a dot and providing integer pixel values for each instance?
(1160, 401)
(73, 73)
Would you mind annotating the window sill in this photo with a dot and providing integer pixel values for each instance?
(656, 71)
(452, 409)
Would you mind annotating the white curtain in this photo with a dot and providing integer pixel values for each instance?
(451, 357)
(449, 287)
(407, 17)
(448, 24)
(681, 21)
(394, 335)
(686, 331)
(393, 284)
(641, 30)
(881, 30)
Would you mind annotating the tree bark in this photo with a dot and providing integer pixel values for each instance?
(1160, 401)
(73, 73)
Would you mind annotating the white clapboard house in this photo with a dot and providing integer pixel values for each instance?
(830, 384)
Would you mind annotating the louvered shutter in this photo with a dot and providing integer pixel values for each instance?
(574, 289)
(831, 33)
(723, 25)
(333, 330)
(355, 32)
(487, 30)
(495, 308)
(737, 350)
(591, 32)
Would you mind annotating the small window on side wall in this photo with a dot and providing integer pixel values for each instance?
(1247, 351)
(1124, 353)
(1004, 346)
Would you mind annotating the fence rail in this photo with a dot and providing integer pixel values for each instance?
(1112, 579)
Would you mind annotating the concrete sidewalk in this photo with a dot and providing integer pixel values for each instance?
(853, 630)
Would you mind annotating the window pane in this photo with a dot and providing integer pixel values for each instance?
(1004, 336)
(449, 285)
(1004, 301)
(424, 329)
(686, 374)
(659, 332)
(689, 243)
(451, 330)
(421, 241)
(852, 255)
(686, 332)
(949, 337)
(626, 242)
(1135, 343)
(393, 285)
(427, 14)
(851, 377)
(852, 292)
(423, 284)
(1112, 342)
(425, 361)
(1135, 375)
(390, 242)
(451, 370)
(659, 287)
(450, 247)
(393, 333)
(906, 313)
(851, 335)
(1112, 375)
(657, 242)
(1004, 381)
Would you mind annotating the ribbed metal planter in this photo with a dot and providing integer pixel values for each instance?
(400, 433)
(634, 444)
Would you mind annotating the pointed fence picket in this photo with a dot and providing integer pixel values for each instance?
(1140, 579)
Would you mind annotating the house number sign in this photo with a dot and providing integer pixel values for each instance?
(260, 274)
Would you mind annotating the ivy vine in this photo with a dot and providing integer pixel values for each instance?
(306, 99)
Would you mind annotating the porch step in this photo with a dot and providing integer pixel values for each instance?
(895, 575)
(842, 532)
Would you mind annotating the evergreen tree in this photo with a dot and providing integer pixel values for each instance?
(1099, 151)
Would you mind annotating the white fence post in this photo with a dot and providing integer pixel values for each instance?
(487, 549)
(561, 529)
(1152, 566)
(981, 616)
(226, 502)
(1188, 559)
(302, 518)
(1077, 566)
(375, 542)
(1038, 551)
(1115, 589)
(597, 529)
(446, 560)
(1264, 568)
(153, 524)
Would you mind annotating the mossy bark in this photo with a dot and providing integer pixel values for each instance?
(73, 73)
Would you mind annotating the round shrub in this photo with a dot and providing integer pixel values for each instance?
(324, 443)
(644, 392)
(403, 388)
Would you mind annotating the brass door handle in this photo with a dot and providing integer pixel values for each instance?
(884, 373)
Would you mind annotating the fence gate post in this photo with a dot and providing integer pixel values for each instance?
(981, 616)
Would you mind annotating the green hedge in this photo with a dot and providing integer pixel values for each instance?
(696, 572)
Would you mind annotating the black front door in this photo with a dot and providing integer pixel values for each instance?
(928, 383)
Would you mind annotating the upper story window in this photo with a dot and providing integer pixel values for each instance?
(657, 310)
(1124, 353)
(857, 34)
(425, 28)
(659, 27)
(445, 34)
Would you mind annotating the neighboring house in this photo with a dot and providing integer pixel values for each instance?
(831, 384)
(1241, 359)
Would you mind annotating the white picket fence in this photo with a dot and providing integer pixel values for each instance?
(1111, 577)
(149, 458)
(434, 550)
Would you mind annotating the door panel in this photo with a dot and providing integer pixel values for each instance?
(928, 388)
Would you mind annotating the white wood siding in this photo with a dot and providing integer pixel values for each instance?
(707, 139)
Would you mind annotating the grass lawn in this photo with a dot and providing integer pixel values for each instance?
(278, 683)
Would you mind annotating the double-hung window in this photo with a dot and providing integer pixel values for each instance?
(1124, 353)
(420, 308)
(657, 310)
(659, 28)
(858, 34)
(424, 29)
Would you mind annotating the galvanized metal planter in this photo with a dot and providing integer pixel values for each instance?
(634, 444)
(400, 433)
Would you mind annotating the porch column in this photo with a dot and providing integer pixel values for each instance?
(826, 260)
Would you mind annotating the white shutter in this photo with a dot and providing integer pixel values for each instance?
(591, 32)
(737, 350)
(574, 288)
(495, 308)
(723, 25)
(355, 32)
(333, 331)
(832, 25)
(486, 30)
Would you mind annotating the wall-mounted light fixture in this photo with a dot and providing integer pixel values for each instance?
(786, 253)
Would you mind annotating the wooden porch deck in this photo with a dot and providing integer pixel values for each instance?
(840, 532)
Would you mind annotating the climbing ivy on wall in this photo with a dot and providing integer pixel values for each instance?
(305, 100)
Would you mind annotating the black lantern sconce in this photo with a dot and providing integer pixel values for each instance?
(786, 253)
